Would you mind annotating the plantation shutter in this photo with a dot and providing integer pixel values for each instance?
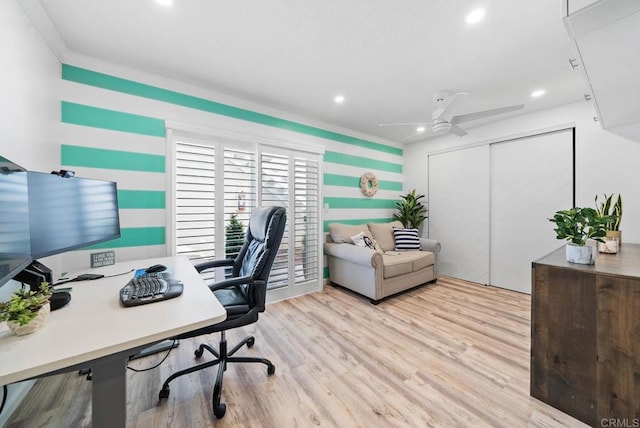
(274, 187)
(306, 193)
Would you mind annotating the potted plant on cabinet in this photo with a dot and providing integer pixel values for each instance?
(614, 211)
(576, 226)
(411, 213)
(27, 311)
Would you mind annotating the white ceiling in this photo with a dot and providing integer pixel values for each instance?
(386, 57)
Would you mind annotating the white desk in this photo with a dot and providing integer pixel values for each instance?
(95, 331)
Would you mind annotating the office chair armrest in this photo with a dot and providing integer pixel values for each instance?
(233, 281)
(213, 264)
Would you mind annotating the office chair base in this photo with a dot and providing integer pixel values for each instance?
(223, 357)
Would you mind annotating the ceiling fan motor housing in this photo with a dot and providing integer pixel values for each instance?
(440, 126)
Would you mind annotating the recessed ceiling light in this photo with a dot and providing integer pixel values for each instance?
(420, 129)
(339, 99)
(538, 93)
(165, 3)
(475, 16)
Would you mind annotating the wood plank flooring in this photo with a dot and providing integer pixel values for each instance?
(442, 355)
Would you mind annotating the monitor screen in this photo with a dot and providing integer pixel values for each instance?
(15, 248)
(70, 213)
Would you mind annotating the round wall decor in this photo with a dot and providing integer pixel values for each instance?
(368, 184)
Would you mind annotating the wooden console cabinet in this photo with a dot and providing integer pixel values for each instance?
(585, 336)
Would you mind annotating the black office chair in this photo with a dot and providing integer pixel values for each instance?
(243, 296)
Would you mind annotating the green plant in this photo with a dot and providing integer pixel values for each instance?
(614, 211)
(411, 212)
(234, 234)
(579, 224)
(24, 305)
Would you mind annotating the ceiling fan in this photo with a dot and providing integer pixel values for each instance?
(443, 122)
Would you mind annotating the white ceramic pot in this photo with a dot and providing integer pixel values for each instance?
(584, 255)
(40, 320)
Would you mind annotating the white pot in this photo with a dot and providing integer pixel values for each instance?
(33, 325)
(584, 255)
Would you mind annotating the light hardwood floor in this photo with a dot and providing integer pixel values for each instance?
(442, 355)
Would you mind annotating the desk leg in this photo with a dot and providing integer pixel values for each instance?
(109, 392)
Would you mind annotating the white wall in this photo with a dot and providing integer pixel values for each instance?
(605, 162)
(29, 116)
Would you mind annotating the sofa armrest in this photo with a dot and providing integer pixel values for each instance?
(354, 254)
(430, 245)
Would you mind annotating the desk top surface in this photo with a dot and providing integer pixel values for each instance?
(94, 324)
(625, 263)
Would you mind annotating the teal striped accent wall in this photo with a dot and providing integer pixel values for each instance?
(141, 199)
(79, 114)
(134, 237)
(350, 181)
(105, 81)
(111, 159)
(325, 224)
(359, 203)
(361, 162)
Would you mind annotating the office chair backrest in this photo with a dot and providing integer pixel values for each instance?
(266, 228)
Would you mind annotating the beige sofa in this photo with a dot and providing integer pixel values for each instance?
(373, 273)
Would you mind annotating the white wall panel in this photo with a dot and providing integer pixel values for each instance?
(459, 212)
(531, 179)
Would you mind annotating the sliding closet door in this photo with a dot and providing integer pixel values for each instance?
(459, 212)
(531, 179)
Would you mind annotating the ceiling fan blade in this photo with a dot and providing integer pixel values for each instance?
(455, 129)
(404, 124)
(485, 113)
(445, 101)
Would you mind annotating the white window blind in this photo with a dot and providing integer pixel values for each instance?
(274, 186)
(306, 209)
(195, 201)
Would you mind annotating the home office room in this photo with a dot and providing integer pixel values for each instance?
(336, 214)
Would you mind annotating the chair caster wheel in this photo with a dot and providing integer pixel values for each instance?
(220, 410)
(198, 352)
(164, 393)
(251, 342)
(271, 369)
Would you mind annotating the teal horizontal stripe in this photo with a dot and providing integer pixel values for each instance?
(325, 224)
(134, 237)
(366, 203)
(80, 114)
(144, 199)
(111, 159)
(359, 161)
(325, 272)
(349, 181)
(105, 81)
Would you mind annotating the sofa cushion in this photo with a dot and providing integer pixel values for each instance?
(383, 234)
(342, 233)
(406, 239)
(406, 262)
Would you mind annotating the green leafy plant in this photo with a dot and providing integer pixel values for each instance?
(579, 224)
(614, 210)
(24, 305)
(234, 234)
(411, 212)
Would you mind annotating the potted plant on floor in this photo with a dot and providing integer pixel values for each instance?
(27, 311)
(411, 213)
(614, 211)
(576, 226)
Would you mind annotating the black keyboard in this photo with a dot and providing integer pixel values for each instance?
(149, 288)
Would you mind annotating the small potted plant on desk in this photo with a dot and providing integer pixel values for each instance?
(576, 226)
(27, 311)
(614, 211)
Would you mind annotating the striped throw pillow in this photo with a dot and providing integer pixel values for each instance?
(406, 239)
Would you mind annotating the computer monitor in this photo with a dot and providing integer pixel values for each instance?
(67, 213)
(15, 239)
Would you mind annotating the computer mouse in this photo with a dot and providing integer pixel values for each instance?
(156, 268)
